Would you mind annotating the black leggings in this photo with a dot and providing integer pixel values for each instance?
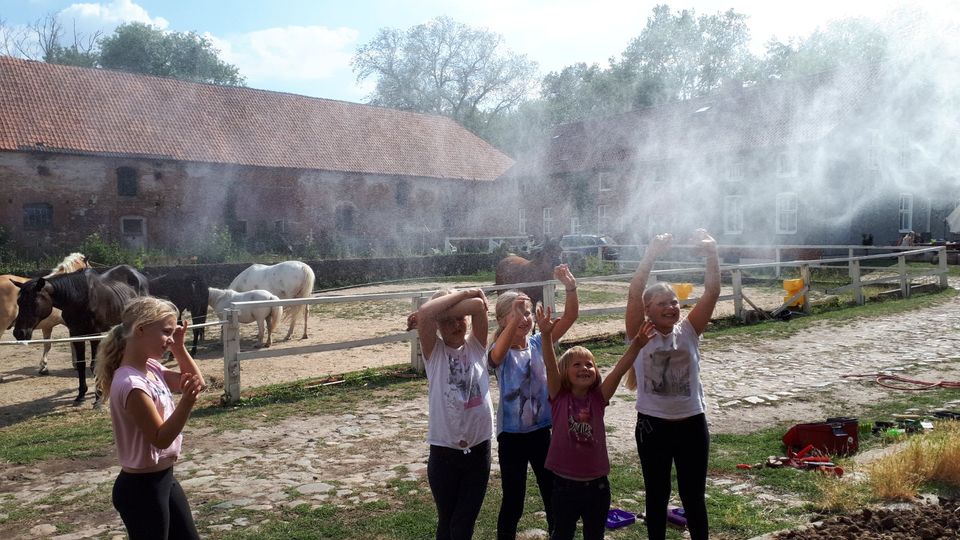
(153, 506)
(515, 451)
(458, 482)
(575, 500)
(661, 443)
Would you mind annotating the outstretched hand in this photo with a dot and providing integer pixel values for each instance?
(412, 321)
(660, 244)
(647, 331)
(705, 243)
(191, 385)
(179, 333)
(563, 275)
(545, 320)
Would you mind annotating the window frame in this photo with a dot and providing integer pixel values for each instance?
(908, 212)
(733, 214)
(522, 221)
(788, 216)
(605, 186)
(547, 220)
(38, 216)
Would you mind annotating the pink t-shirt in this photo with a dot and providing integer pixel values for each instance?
(134, 450)
(578, 446)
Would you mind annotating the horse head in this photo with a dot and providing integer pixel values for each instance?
(34, 304)
(549, 254)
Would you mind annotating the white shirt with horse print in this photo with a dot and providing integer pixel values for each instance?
(461, 410)
(668, 374)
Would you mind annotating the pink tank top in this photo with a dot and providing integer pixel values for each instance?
(133, 448)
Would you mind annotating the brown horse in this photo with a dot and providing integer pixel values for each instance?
(8, 302)
(515, 269)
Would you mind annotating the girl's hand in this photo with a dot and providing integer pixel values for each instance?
(478, 293)
(179, 333)
(545, 321)
(660, 244)
(705, 243)
(563, 275)
(412, 321)
(190, 387)
(647, 330)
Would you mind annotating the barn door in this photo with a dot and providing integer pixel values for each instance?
(133, 232)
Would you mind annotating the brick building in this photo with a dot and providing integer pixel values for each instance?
(155, 162)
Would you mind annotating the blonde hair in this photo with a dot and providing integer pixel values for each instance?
(567, 358)
(649, 293)
(504, 305)
(137, 312)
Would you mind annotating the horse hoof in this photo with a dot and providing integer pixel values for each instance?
(78, 401)
(97, 405)
(44, 371)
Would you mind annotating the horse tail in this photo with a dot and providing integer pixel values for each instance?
(273, 319)
(305, 291)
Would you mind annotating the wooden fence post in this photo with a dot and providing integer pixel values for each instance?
(855, 279)
(231, 348)
(737, 280)
(942, 265)
(904, 280)
(850, 255)
(550, 297)
(779, 260)
(805, 276)
(416, 359)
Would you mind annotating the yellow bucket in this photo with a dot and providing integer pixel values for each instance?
(792, 286)
(683, 290)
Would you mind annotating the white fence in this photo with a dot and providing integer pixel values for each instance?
(903, 277)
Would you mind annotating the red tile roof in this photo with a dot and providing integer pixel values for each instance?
(770, 115)
(95, 111)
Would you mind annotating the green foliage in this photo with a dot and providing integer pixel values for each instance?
(109, 253)
(217, 246)
(848, 41)
(445, 67)
(142, 48)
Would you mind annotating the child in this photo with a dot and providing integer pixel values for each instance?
(578, 448)
(146, 424)
(523, 417)
(671, 425)
(461, 411)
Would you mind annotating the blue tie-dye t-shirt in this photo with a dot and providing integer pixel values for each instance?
(522, 376)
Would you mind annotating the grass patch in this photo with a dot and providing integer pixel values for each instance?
(73, 434)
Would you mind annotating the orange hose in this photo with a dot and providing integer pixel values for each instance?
(903, 383)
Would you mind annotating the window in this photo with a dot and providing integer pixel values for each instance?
(733, 215)
(280, 226)
(733, 171)
(37, 216)
(522, 228)
(605, 180)
(575, 225)
(132, 226)
(787, 213)
(788, 164)
(344, 218)
(906, 212)
(603, 221)
(547, 220)
(127, 181)
(873, 151)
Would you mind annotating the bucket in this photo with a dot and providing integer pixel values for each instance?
(792, 286)
(682, 290)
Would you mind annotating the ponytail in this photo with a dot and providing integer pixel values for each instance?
(109, 355)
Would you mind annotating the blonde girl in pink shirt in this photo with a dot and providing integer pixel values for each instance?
(147, 424)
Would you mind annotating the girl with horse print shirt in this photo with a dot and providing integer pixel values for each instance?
(523, 415)
(146, 424)
(578, 447)
(461, 410)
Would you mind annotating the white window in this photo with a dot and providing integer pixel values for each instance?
(906, 212)
(575, 225)
(605, 180)
(733, 214)
(787, 213)
(547, 220)
(523, 221)
(873, 152)
(906, 153)
(603, 221)
(733, 171)
(788, 164)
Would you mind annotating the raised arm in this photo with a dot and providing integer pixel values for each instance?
(635, 308)
(425, 319)
(547, 328)
(700, 314)
(161, 433)
(625, 364)
(510, 330)
(185, 362)
(571, 305)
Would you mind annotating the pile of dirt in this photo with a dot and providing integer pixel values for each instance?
(923, 522)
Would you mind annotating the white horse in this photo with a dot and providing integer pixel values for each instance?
(289, 279)
(220, 300)
(8, 302)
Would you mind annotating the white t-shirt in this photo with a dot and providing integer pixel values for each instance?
(461, 411)
(668, 374)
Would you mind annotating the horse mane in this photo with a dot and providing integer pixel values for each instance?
(71, 263)
(72, 286)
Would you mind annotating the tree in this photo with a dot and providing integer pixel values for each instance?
(445, 67)
(849, 41)
(141, 48)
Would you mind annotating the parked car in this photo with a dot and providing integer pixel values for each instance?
(589, 245)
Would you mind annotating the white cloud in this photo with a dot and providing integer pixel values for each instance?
(88, 17)
(293, 53)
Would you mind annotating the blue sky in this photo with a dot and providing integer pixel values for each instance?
(304, 46)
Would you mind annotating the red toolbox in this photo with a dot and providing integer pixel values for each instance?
(836, 437)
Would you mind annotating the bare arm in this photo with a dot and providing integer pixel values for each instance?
(547, 327)
(509, 333)
(703, 310)
(625, 364)
(158, 432)
(571, 305)
(185, 362)
(428, 314)
(635, 308)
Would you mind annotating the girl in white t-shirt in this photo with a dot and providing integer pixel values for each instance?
(147, 424)
(461, 411)
(671, 424)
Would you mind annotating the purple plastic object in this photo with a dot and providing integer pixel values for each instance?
(677, 516)
(617, 518)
